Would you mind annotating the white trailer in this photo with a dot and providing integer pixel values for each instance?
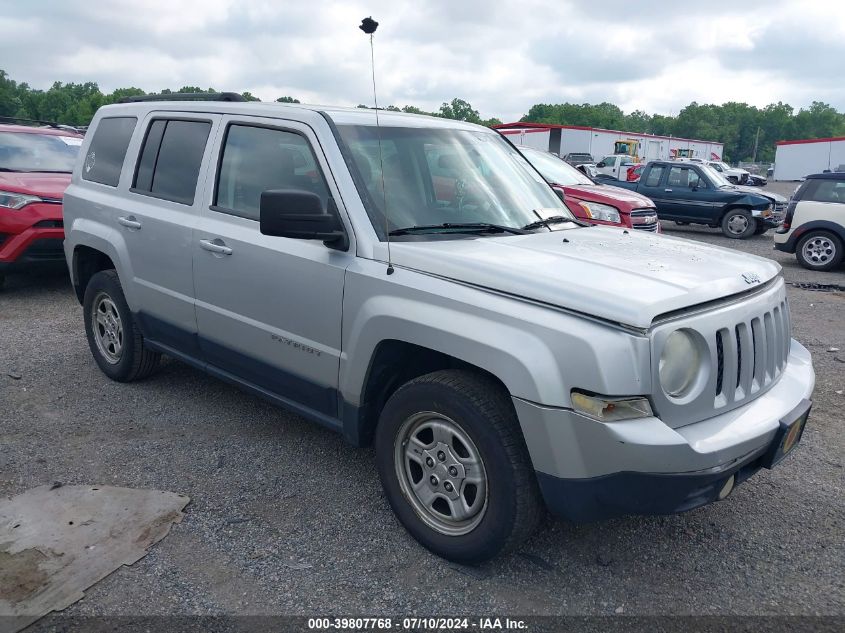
(796, 159)
(565, 139)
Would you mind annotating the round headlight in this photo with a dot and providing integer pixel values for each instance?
(679, 363)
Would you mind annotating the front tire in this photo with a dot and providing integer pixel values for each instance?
(819, 250)
(738, 224)
(113, 336)
(455, 467)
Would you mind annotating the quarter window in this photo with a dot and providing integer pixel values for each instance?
(826, 191)
(105, 155)
(170, 159)
(257, 159)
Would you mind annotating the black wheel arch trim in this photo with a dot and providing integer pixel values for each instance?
(814, 225)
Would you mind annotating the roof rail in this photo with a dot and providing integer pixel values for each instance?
(185, 96)
(17, 119)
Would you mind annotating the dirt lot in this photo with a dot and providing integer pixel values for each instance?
(286, 518)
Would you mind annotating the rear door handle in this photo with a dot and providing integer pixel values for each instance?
(669, 190)
(129, 223)
(216, 246)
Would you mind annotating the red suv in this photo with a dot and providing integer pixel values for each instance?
(35, 167)
(593, 202)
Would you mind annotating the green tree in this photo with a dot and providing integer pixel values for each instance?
(289, 100)
(459, 110)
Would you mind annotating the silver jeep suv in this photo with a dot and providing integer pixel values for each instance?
(419, 286)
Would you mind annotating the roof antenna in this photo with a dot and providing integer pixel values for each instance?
(369, 26)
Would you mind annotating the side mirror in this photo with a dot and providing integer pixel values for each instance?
(300, 215)
(601, 164)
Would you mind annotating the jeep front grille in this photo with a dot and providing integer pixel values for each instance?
(744, 343)
(765, 341)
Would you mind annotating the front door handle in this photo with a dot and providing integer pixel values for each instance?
(216, 246)
(669, 190)
(129, 222)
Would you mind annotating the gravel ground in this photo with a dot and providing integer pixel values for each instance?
(287, 519)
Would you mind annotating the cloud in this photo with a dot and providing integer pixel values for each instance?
(501, 56)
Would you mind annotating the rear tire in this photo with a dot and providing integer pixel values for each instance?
(113, 336)
(444, 440)
(738, 224)
(819, 250)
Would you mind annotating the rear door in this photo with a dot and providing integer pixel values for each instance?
(269, 308)
(157, 222)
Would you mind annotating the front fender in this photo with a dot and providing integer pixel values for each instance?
(539, 353)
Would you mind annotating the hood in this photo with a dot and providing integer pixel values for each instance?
(625, 277)
(44, 185)
(771, 195)
(611, 195)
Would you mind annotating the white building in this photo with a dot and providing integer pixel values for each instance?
(564, 139)
(796, 159)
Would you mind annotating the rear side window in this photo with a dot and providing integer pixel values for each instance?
(257, 159)
(654, 176)
(104, 159)
(170, 159)
(825, 191)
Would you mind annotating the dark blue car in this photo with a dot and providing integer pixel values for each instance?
(691, 193)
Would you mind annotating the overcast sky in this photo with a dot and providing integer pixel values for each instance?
(499, 55)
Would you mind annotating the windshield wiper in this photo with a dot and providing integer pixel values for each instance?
(475, 227)
(555, 219)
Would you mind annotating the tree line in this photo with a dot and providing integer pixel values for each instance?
(747, 132)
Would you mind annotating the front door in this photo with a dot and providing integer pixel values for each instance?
(269, 308)
(686, 195)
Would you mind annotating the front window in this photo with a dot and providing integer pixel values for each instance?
(555, 170)
(32, 152)
(436, 176)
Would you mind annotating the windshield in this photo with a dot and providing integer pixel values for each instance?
(718, 179)
(438, 176)
(24, 151)
(555, 170)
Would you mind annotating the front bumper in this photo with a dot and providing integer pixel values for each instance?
(590, 470)
(767, 218)
(31, 235)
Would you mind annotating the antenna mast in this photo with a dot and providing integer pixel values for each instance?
(369, 26)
